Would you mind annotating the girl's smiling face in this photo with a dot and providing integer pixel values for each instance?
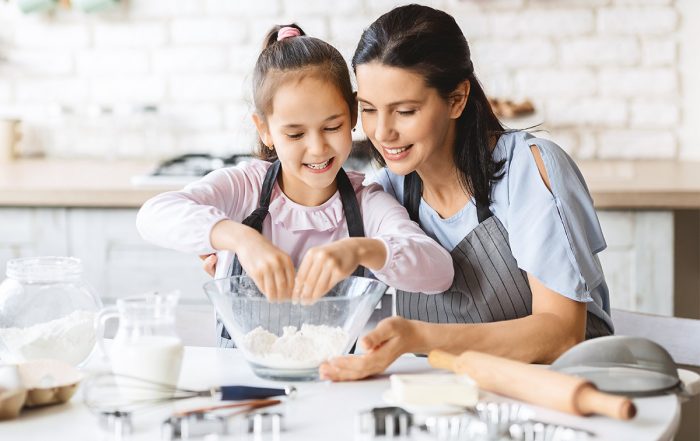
(409, 123)
(310, 129)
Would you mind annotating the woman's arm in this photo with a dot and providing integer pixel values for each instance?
(556, 324)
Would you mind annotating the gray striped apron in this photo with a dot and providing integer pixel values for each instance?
(353, 218)
(488, 286)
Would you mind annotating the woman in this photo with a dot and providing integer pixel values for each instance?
(513, 209)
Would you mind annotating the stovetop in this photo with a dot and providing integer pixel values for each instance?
(183, 169)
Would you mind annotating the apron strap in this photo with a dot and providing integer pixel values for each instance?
(351, 209)
(257, 217)
(413, 191)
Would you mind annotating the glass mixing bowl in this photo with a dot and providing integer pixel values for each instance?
(47, 310)
(285, 341)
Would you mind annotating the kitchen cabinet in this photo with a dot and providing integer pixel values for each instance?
(638, 263)
(117, 261)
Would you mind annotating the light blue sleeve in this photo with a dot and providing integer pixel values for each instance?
(554, 235)
(391, 183)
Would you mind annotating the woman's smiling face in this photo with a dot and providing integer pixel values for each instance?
(409, 123)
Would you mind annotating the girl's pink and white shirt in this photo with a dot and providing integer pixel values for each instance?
(182, 220)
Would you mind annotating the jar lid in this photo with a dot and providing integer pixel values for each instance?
(44, 269)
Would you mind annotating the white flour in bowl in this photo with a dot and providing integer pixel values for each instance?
(70, 338)
(295, 349)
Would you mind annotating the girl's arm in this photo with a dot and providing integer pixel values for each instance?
(397, 251)
(556, 324)
(205, 217)
(183, 220)
(414, 262)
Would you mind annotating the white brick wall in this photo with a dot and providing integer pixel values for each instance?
(636, 20)
(97, 63)
(190, 59)
(5, 91)
(129, 33)
(207, 31)
(604, 74)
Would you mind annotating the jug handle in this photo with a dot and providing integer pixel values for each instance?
(110, 312)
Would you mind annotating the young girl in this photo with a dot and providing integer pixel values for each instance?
(296, 207)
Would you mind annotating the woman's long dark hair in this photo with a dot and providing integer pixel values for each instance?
(430, 43)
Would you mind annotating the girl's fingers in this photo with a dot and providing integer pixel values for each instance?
(280, 280)
(308, 283)
(289, 276)
(320, 285)
(300, 279)
(267, 287)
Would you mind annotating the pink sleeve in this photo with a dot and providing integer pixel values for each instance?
(182, 220)
(415, 262)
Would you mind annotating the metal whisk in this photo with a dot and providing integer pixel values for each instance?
(108, 392)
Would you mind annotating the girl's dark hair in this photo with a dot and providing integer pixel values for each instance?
(294, 58)
(430, 43)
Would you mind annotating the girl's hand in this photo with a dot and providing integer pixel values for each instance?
(209, 263)
(322, 268)
(392, 337)
(271, 269)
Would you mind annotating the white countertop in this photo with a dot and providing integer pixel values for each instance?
(321, 410)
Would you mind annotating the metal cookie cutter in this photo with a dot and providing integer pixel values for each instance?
(265, 422)
(387, 421)
(499, 417)
(194, 425)
(455, 427)
(535, 430)
(201, 424)
(117, 422)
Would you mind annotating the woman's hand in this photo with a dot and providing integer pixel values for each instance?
(392, 337)
(326, 265)
(209, 263)
(271, 269)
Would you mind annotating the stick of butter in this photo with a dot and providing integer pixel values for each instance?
(432, 389)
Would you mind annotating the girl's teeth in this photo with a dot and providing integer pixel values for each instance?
(396, 151)
(319, 166)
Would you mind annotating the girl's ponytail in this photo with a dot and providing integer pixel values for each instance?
(273, 35)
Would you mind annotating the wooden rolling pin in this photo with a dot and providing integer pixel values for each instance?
(535, 385)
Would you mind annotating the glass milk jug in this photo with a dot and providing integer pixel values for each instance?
(146, 345)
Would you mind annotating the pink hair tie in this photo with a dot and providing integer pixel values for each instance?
(287, 32)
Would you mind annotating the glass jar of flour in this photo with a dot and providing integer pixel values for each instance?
(47, 310)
